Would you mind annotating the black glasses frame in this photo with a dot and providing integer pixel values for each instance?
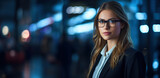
(108, 21)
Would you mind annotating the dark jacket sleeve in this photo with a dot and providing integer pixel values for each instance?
(136, 66)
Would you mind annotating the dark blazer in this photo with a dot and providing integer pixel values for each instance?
(131, 65)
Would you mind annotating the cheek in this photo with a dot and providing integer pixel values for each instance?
(100, 31)
(117, 31)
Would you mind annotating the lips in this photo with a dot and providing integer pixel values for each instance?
(107, 33)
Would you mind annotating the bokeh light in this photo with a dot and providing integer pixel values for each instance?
(5, 30)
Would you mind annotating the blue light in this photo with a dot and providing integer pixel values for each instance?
(144, 28)
(57, 17)
(89, 14)
(133, 7)
(33, 27)
(84, 28)
(71, 31)
(155, 64)
(44, 22)
(156, 27)
(75, 20)
(141, 16)
(80, 28)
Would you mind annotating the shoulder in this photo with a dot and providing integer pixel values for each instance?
(135, 66)
(132, 55)
(131, 52)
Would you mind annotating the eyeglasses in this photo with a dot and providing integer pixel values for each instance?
(110, 22)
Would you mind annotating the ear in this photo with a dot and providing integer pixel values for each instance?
(122, 25)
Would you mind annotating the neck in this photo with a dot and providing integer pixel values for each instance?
(111, 43)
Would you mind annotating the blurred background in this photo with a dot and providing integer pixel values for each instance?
(53, 38)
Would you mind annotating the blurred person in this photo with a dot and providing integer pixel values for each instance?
(113, 55)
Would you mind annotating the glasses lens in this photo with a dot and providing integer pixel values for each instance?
(112, 22)
(101, 23)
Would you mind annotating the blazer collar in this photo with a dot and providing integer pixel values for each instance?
(97, 60)
(104, 53)
(105, 69)
(107, 65)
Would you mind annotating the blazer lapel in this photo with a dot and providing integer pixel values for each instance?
(105, 69)
(94, 66)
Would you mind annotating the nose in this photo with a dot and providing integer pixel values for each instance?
(107, 26)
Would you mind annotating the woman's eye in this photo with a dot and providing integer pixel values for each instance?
(101, 21)
(112, 21)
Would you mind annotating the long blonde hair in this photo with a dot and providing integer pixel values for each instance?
(124, 40)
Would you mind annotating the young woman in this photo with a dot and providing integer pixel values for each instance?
(113, 55)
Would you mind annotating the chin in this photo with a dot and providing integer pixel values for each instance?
(106, 38)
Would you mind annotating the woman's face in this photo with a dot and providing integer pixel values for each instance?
(109, 25)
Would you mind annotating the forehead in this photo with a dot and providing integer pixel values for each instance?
(106, 14)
